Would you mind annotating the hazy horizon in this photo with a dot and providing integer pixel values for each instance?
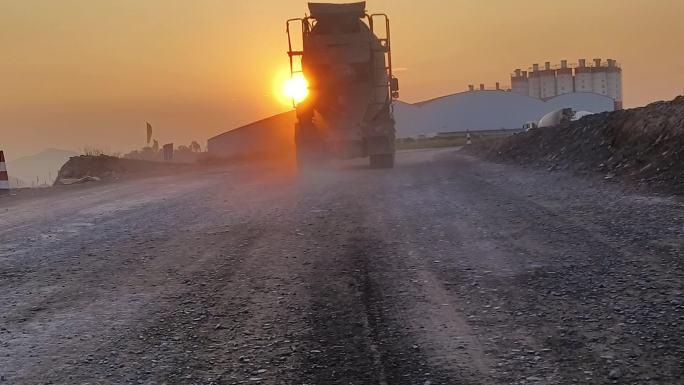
(79, 73)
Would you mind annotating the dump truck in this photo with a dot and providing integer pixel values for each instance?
(346, 59)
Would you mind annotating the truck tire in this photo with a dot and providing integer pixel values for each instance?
(382, 161)
(310, 147)
(309, 156)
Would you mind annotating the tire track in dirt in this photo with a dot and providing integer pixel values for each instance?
(356, 335)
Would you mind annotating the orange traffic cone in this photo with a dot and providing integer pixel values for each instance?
(4, 178)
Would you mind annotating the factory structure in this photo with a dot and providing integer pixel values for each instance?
(583, 87)
(265, 137)
(602, 77)
(587, 87)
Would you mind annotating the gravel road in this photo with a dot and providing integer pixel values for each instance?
(445, 270)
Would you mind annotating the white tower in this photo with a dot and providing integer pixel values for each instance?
(599, 77)
(548, 82)
(583, 79)
(565, 83)
(534, 82)
(614, 83)
(519, 83)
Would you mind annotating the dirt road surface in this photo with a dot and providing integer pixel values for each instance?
(445, 270)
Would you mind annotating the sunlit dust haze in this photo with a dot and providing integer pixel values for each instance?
(76, 73)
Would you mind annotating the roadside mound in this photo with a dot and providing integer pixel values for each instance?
(645, 145)
(103, 167)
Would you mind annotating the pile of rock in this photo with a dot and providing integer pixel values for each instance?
(89, 168)
(642, 144)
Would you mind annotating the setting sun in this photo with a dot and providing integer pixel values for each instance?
(296, 88)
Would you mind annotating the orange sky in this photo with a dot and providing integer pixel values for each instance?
(77, 73)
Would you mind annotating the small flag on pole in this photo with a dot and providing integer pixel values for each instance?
(149, 132)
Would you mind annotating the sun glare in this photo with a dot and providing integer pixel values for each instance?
(296, 88)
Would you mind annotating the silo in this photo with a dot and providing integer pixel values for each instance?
(519, 83)
(534, 82)
(614, 82)
(548, 81)
(599, 77)
(565, 83)
(583, 79)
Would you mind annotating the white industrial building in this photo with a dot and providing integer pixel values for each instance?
(475, 110)
(602, 77)
(480, 110)
(589, 88)
(265, 137)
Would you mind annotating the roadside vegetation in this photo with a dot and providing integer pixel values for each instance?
(97, 151)
(451, 139)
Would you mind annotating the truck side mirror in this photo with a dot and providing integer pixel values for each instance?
(394, 84)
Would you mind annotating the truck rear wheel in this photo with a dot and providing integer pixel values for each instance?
(382, 161)
(309, 155)
(310, 146)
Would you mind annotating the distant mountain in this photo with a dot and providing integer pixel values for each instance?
(39, 168)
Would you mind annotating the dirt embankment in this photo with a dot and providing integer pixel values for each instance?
(110, 168)
(644, 145)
